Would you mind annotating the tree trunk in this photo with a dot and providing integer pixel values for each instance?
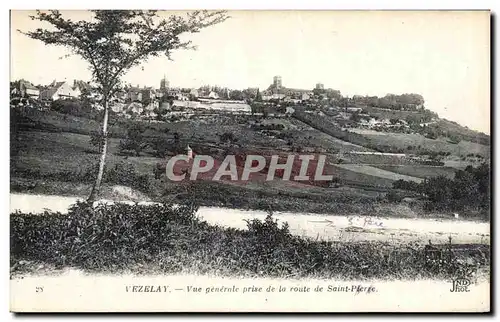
(97, 185)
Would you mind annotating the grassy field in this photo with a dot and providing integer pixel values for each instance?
(464, 132)
(51, 152)
(50, 159)
(374, 159)
(387, 114)
(329, 142)
(54, 152)
(376, 172)
(420, 171)
(391, 142)
(403, 141)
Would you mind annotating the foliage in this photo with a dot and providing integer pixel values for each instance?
(74, 107)
(97, 140)
(406, 185)
(166, 239)
(329, 128)
(391, 101)
(469, 189)
(393, 196)
(114, 41)
(236, 95)
(227, 137)
(121, 173)
(134, 141)
(125, 174)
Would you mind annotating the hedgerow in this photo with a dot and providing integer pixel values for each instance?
(166, 239)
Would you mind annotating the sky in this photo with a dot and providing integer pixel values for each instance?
(442, 55)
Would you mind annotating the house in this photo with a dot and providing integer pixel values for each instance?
(354, 109)
(305, 97)
(292, 100)
(181, 97)
(154, 104)
(26, 89)
(177, 94)
(148, 94)
(81, 86)
(213, 95)
(118, 107)
(278, 96)
(134, 94)
(194, 93)
(134, 108)
(149, 114)
(121, 96)
(370, 123)
(60, 90)
(159, 93)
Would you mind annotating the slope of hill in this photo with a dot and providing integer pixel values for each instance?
(57, 147)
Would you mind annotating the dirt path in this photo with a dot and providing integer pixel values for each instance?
(326, 227)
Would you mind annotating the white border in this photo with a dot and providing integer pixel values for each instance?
(200, 4)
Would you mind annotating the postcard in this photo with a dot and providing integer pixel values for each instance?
(250, 161)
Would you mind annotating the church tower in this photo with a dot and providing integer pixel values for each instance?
(164, 84)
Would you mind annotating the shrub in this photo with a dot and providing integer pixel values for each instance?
(167, 239)
(74, 107)
(406, 185)
(227, 137)
(160, 147)
(134, 141)
(268, 229)
(393, 196)
(469, 189)
(97, 140)
(125, 174)
(121, 173)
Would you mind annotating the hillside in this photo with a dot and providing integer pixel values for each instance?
(51, 148)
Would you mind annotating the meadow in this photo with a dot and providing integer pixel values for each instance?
(420, 171)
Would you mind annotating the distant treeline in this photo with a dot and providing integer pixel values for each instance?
(468, 190)
(392, 101)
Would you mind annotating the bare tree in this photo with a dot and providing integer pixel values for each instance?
(117, 40)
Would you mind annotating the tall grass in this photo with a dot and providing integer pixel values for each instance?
(166, 239)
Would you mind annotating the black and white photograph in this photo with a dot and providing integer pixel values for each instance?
(250, 161)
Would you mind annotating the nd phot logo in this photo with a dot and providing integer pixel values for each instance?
(460, 285)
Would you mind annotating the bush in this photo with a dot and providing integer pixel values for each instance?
(97, 140)
(160, 147)
(393, 196)
(227, 137)
(167, 239)
(121, 173)
(469, 189)
(74, 107)
(134, 142)
(125, 174)
(406, 185)
(94, 238)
